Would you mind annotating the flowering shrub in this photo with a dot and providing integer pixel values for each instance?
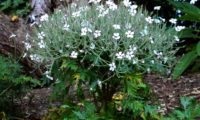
(104, 46)
(120, 38)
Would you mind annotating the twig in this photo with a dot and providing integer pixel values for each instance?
(5, 90)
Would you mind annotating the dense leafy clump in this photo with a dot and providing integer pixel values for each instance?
(190, 35)
(118, 38)
(13, 85)
(99, 53)
(189, 110)
(15, 7)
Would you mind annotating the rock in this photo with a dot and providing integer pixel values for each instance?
(12, 36)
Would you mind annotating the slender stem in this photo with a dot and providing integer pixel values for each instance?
(108, 78)
(5, 90)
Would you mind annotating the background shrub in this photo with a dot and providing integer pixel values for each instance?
(15, 7)
(13, 85)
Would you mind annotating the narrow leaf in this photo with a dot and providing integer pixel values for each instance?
(189, 33)
(183, 64)
(192, 13)
(198, 48)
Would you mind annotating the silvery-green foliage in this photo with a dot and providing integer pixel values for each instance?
(121, 38)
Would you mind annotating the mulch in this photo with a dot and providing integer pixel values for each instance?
(169, 91)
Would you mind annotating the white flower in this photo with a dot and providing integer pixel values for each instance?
(135, 61)
(12, 35)
(144, 32)
(132, 48)
(133, 7)
(44, 17)
(60, 51)
(152, 61)
(109, 2)
(158, 54)
(74, 54)
(176, 38)
(155, 52)
(49, 77)
(111, 5)
(179, 28)
(66, 27)
(41, 35)
(151, 40)
(73, 5)
(148, 70)
(83, 9)
(129, 34)
(76, 14)
(41, 44)
(36, 57)
(132, 10)
(112, 66)
(120, 55)
(25, 54)
(116, 36)
(129, 55)
(100, 8)
(127, 3)
(128, 26)
(162, 19)
(92, 46)
(173, 20)
(84, 31)
(193, 1)
(94, 1)
(157, 7)
(165, 59)
(81, 51)
(99, 83)
(27, 36)
(149, 20)
(116, 26)
(97, 33)
(27, 45)
(142, 61)
(103, 13)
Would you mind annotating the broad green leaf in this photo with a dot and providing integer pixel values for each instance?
(189, 33)
(198, 48)
(192, 13)
(184, 62)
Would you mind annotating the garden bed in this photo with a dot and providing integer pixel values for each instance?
(166, 91)
(36, 104)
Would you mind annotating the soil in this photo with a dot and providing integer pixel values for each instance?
(169, 91)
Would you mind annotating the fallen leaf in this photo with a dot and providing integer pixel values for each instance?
(14, 18)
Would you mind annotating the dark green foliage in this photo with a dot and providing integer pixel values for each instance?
(166, 11)
(13, 84)
(189, 110)
(115, 98)
(83, 111)
(15, 7)
(191, 13)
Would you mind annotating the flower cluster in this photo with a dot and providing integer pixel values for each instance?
(108, 35)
